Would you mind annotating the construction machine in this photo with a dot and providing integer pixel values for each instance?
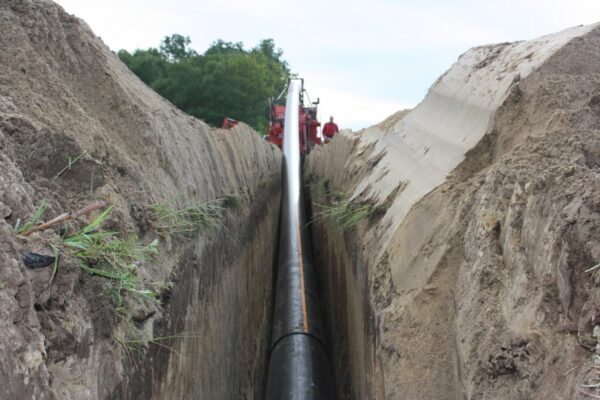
(309, 124)
(229, 123)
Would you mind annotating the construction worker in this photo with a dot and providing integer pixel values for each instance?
(329, 129)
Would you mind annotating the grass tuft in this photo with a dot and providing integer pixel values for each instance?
(131, 346)
(37, 218)
(188, 220)
(105, 254)
(233, 202)
(343, 213)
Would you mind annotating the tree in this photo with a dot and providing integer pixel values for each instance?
(222, 47)
(268, 49)
(176, 48)
(226, 80)
(149, 65)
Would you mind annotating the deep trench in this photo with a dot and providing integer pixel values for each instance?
(347, 315)
(335, 323)
(333, 305)
(349, 381)
(329, 334)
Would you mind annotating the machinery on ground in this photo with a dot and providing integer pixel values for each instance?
(309, 124)
(229, 123)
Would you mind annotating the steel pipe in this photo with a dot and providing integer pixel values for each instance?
(298, 365)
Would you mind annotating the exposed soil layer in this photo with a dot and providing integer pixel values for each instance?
(64, 94)
(475, 289)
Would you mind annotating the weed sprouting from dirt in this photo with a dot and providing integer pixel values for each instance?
(71, 162)
(109, 256)
(131, 343)
(233, 202)
(106, 254)
(343, 213)
(595, 270)
(187, 220)
(36, 219)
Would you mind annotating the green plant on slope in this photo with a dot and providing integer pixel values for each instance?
(36, 219)
(343, 213)
(105, 254)
(233, 202)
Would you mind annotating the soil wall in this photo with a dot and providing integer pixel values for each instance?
(468, 280)
(63, 94)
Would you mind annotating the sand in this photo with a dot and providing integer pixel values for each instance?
(468, 281)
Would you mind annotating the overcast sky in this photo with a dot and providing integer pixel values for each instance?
(364, 59)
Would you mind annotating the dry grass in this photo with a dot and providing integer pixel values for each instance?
(187, 220)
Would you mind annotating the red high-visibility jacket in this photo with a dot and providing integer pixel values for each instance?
(330, 129)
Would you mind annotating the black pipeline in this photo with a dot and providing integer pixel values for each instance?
(298, 366)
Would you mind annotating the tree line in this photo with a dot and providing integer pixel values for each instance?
(225, 81)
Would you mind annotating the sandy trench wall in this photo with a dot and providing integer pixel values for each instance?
(63, 93)
(470, 284)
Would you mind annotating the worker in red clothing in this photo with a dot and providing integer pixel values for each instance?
(329, 129)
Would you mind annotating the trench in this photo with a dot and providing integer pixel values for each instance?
(214, 327)
(255, 297)
(348, 318)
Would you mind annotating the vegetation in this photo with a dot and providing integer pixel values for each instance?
(71, 161)
(36, 219)
(170, 219)
(105, 254)
(343, 213)
(594, 269)
(109, 255)
(187, 220)
(226, 81)
(135, 341)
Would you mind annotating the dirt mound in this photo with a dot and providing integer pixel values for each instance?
(485, 220)
(77, 126)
